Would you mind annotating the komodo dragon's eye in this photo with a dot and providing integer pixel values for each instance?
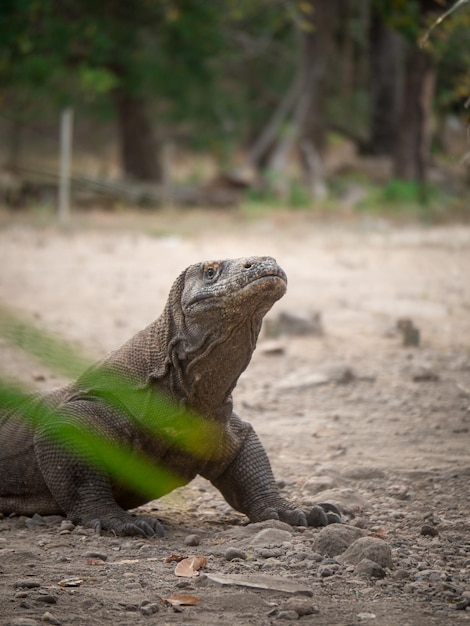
(210, 273)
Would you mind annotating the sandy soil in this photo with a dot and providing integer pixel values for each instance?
(389, 441)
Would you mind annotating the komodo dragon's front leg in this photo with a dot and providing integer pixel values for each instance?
(248, 483)
(83, 493)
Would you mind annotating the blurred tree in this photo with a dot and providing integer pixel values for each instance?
(266, 76)
(413, 131)
(386, 84)
(298, 122)
(134, 52)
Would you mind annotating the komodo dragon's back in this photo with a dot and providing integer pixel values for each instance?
(190, 357)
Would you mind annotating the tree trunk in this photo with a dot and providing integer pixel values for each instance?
(317, 50)
(412, 146)
(14, 143)
(139, 152)
(386, 54)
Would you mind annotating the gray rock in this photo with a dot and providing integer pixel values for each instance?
(192, 540)
(133, 586)
(370, 548)
(369, 569)
(271, 537)
(336, 538)
(28, 583)
(325, 571)
(23, 621)
(50, 619)
(93, 554)
(290, 616)
(234, 553)
(270, 553)
(148, 608)
(46, 598)
(35, 522)
(427, 530)
(401, 574)
(302, 606)
(431, 575)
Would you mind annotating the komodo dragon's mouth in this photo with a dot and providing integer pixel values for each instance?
(270, 279)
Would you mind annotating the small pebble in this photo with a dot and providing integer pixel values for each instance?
(270, 553)
(27, 584)
(429, 531)
(50, 619)
(302, 606)
(35, 522)
(47, 599)
(290, 616)
(192, 540)
(92, 554)
(132, 586)
(271, 537)
(66, 525)
(234, 553)
(401, 574)
(325, 571)
(149, 608)
(370, 569)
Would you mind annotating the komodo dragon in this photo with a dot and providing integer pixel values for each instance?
(194, 354)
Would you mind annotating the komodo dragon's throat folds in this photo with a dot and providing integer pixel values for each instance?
(176, 375)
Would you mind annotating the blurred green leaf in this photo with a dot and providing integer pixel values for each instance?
(148, 409)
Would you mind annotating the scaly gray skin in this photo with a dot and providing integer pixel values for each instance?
(194, 353)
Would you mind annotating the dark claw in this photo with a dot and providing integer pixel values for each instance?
(293, 517)
(156, 527)
(333, 518)
(327, 506)
(147, 527)
(316, 517)
(96, 525)
(323, 514)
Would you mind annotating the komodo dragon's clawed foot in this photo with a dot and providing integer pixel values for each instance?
(143, 526)
(323, 514)
(292, 516)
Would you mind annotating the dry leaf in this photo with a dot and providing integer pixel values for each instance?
(182, 599)
(173, 558)
(189, 567)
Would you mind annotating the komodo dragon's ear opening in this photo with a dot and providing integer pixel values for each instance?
(170, 324)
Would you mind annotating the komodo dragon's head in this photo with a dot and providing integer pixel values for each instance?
(232, 288)
(212, 320)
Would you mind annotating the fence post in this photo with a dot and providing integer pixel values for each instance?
(66, 124)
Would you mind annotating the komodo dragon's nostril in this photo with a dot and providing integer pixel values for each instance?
(247, 265)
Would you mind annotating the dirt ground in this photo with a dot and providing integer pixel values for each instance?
(350, 416)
